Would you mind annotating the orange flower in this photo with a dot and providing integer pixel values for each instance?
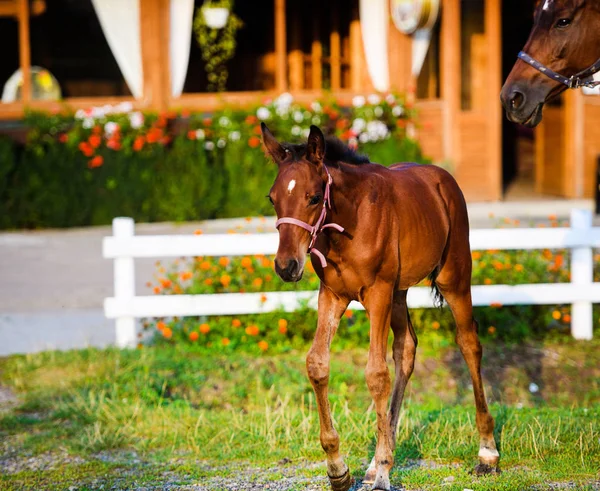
(556, 315)
(257, 282)
(246, 262)
(97, 161)
(205, 265)
(348, 314)
(558, 260)
(225, 341)
(225, 280)
(263, 298)
(251, 119)
(487, 281)
(194, 336)
(498, 266)
(186, 275)
(496, 305)
(138, 143)
(236, 323)
(566, 318)
(519, 267)
(254, 141)
(166, 283)
(435, 325)
(191, 135)
(252, 330)
(491, 329)
(197, 232)
(223, 261)
(157, 289)
(552, 218)
(266, 262)
(94, 141)
(547, 254)
(160, 325)
(208, 281)
(204, 328)
(268, 277)
(167, 333)
(263, 345)
(282, 326)
(476, 255)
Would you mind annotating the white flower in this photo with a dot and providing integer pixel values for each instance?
(284, 99)
(296, 130)
(316, 107)
(283, 111)
(397, 111)
(519, 405)
(316, 120)
(110, 128)
(221, 143)
(234, 136)
(80, 114)
(298, 116)
(358, 101)
(364, 137)
(124, 107)
(358, 125)
(224, 121)
(377, 130)
(533, 387)
(263, 113)
(88, 123)
(209, 145)
(200, 134)
(378, 111)
(374, 99)
(390, 99)
(136, 119)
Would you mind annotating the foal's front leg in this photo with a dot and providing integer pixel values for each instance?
(331, 308)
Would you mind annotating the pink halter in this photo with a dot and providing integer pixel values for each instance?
(319, 226)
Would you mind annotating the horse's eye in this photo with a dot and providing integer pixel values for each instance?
(314, 200)
(270, 199)
(562, 23)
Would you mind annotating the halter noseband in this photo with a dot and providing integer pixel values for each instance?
(316, 229)
(584, 78)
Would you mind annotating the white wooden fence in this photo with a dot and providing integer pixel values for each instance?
(125, 306)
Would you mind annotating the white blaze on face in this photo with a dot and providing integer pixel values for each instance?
(548, 4)
(291, 186)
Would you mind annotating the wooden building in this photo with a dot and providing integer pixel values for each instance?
(313, 46)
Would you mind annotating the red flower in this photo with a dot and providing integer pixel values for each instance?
(97, 130)
(63, 138)
(86, 149)
(207, 121)
(254, 141)
(341, 124)
(191, 135)
(95, 141)
(251, 119)
(114, 144)
(138, 143)
(97, 161)
(257, 130)
(154, 135)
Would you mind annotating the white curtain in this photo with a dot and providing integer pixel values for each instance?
(374, 23)
(182, 14)
(120, 22)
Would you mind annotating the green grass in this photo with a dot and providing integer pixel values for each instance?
(175, 416)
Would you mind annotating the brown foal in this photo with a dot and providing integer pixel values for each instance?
(400, 225)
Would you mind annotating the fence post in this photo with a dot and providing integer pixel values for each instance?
(123, 228)
(582, 275)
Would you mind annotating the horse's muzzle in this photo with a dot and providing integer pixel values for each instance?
(292, 271)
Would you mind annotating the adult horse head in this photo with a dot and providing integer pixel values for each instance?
(562, 52)
(373, 232)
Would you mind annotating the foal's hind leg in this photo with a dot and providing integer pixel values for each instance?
(331, 309)
(404, 349)
(459, 299)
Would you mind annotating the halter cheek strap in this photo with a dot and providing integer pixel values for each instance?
(317, 228)
(584, 78)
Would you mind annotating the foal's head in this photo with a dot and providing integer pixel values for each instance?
(565, 38)
(296, 193)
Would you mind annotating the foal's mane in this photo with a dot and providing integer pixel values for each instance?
(335, 151)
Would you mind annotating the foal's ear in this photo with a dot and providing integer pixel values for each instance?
(274, 149)
(315, 146)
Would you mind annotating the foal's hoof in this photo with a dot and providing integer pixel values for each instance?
(342, 483)
(482, 469)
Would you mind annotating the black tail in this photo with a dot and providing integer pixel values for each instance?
(438, 299)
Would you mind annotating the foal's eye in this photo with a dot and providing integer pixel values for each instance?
(314, 200)
(270, 199)
(562, 23)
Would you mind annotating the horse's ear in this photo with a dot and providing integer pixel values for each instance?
(272, 146)
(315, 147)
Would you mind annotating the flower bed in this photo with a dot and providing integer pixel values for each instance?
(282, 331)
(86, 168)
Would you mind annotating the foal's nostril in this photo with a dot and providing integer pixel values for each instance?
(517, 99)
(292, 267)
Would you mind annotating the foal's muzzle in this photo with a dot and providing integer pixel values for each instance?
(292, 271)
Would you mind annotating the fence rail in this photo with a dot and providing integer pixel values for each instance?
(125, 306)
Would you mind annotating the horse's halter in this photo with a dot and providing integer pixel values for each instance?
(319, 226)
(585, 78)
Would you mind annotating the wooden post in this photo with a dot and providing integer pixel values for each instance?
(25, 50)
(450, 76)
(493, 35)
(574, 155)
(280, 47)
(334, 40)
(400, 60)
(296, 56)
(316, 52)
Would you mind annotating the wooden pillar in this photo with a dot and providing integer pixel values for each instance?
(450, 77)
(154, 30)
(25, 50)
(280, 47)
(400, 59)
(316, 50)
(493, 35)
(336, 51)
(296, 56)
(574, 155)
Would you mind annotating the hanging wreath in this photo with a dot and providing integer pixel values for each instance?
(215, 26)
